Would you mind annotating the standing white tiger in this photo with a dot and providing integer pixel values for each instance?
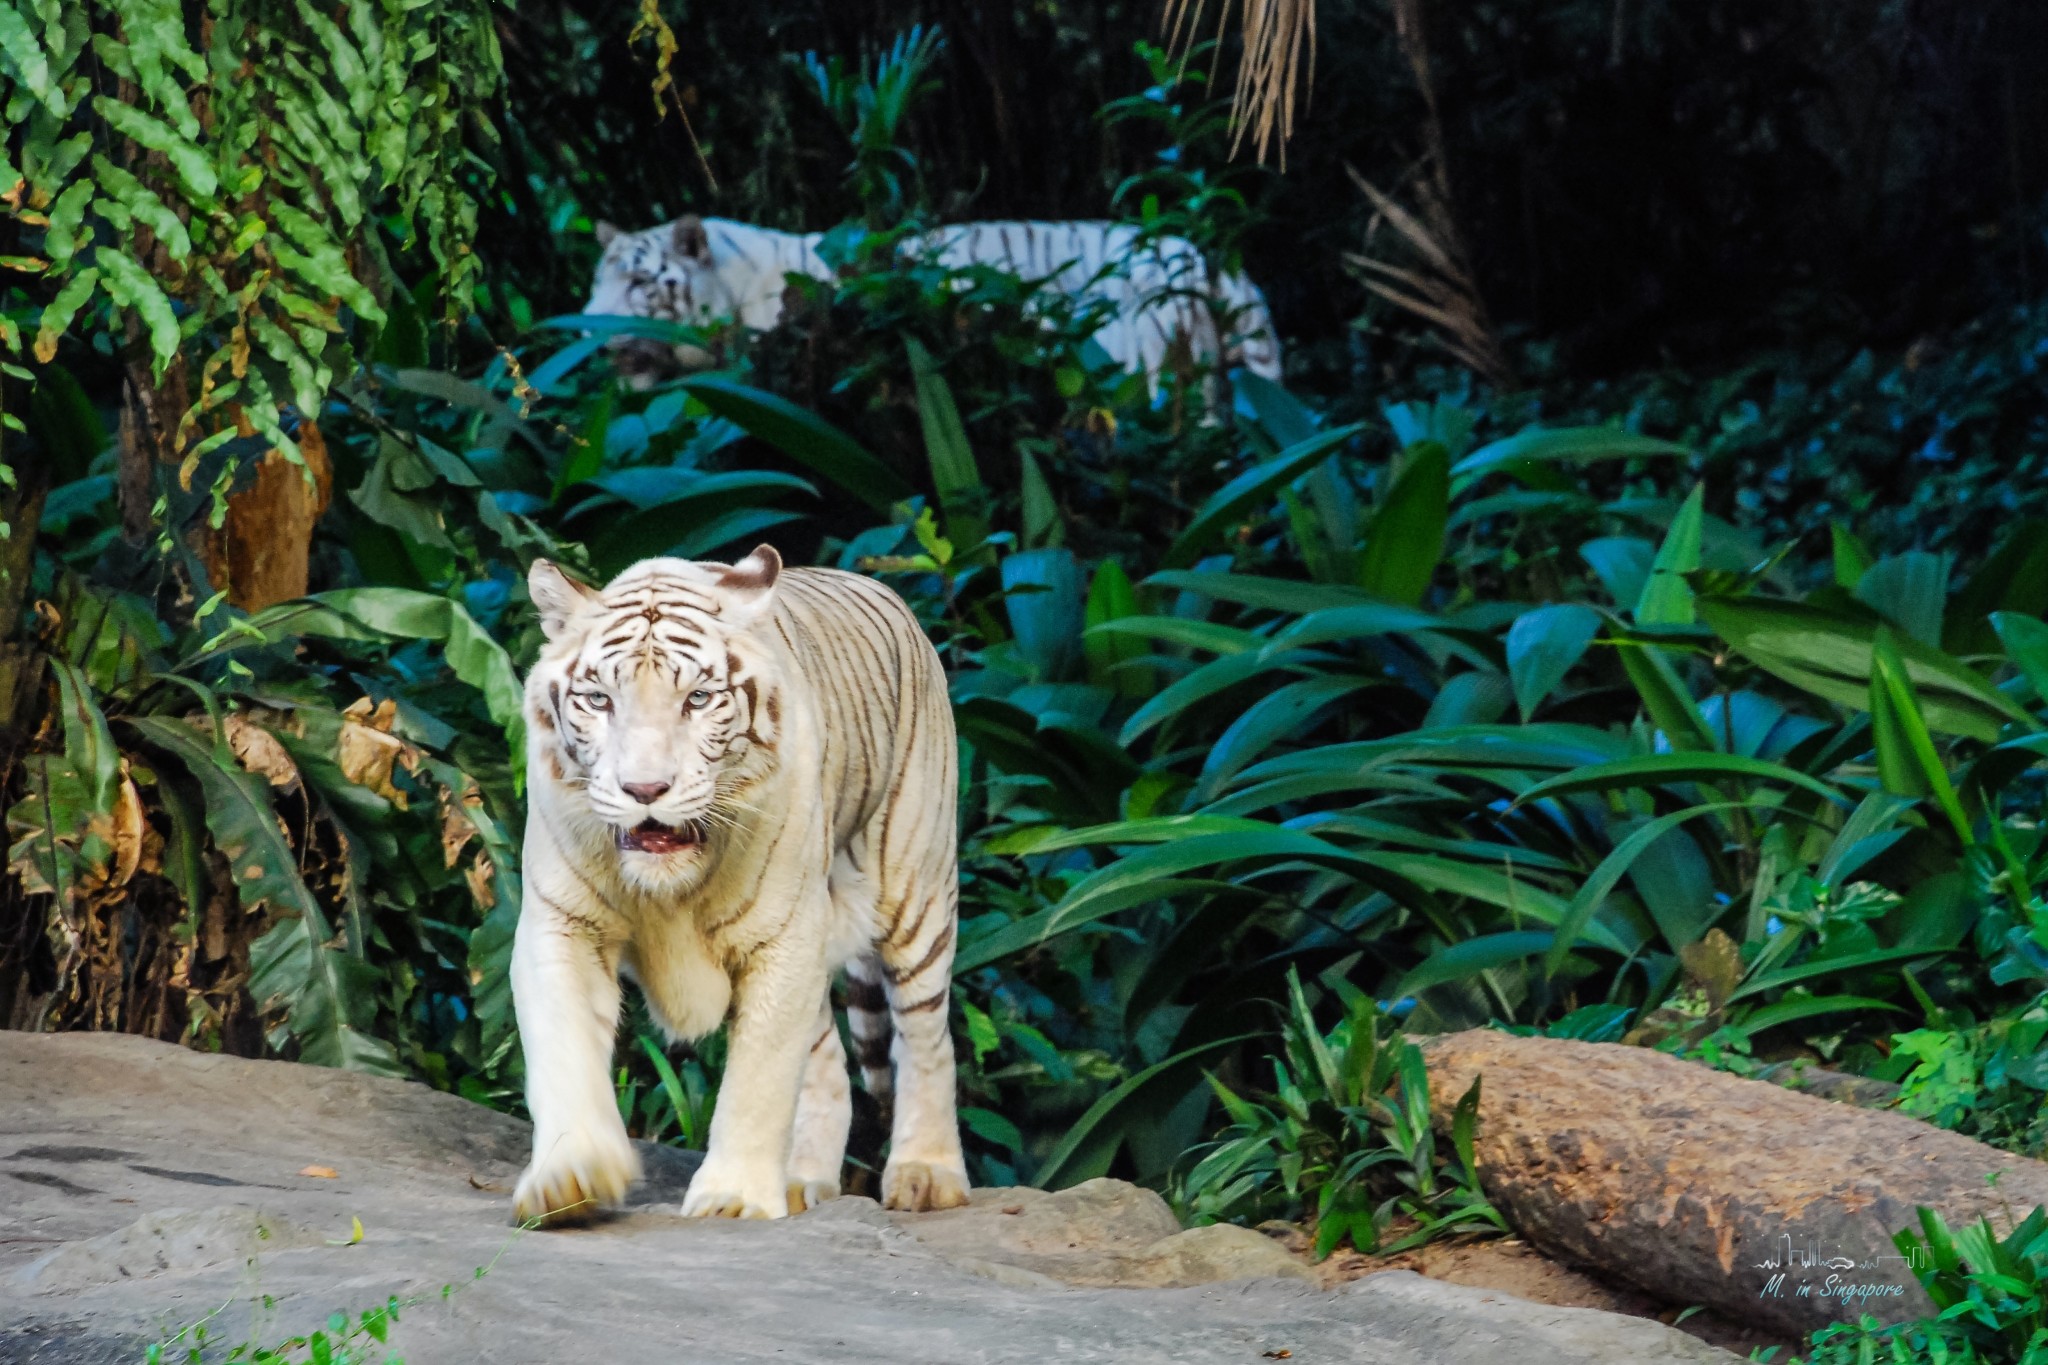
(743, 779)
(1162, 295)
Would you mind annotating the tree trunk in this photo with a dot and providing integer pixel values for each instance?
(150, 413)
(21, 665)
(1703, 1188)
(261, 552)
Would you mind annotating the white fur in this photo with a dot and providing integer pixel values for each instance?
(1162, 298)
(750, 924)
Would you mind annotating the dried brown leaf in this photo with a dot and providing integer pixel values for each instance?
(367, 750)
(259, 751)
(481, 875)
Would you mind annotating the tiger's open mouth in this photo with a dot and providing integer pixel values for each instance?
(651, 837)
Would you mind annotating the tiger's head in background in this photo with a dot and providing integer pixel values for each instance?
(651, 710)
(666, 273)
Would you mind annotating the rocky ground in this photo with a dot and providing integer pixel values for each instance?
(149, 1188)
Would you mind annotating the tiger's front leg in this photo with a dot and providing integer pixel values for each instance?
(745, 1170)
(566, 997)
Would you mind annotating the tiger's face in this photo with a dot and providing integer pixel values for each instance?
(665, 272)
(649, 703)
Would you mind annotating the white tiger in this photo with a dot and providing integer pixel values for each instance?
(742, 780)
(1162, 297)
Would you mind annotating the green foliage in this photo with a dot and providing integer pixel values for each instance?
(1345, 1136)
(1490, 719)
(1989, 1291)
(214, 176)
(871, 104)
(362, 1338)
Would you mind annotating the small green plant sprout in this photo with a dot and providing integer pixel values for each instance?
(358, 1339)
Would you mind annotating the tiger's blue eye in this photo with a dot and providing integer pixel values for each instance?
(596, 701)
(699, 698)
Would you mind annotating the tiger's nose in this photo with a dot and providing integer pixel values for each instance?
(646, 793)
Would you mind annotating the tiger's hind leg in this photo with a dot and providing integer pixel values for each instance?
(824, 1113)
(867, 1019)
(926, 1168)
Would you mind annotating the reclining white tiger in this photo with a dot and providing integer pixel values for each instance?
(698, 269)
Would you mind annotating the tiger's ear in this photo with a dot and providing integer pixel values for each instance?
(690, 238)
(607, 233)
(556, 596)
(748, 587)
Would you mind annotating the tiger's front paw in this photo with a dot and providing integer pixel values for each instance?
(727, 1190)
(574, 1177)
(919, 1186)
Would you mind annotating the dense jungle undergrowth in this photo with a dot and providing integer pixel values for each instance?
(1699, 706)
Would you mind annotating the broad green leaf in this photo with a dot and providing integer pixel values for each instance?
(1275, 594)
(1046, 604)
(1659, 770)
(329, 995)
(1135, 878)
(803, 436)
(1284, 419)
(62, 236)
(1675, 883)
(1090, 1144)
(1851, 559)
(1406, 538)
(88, 744)
(1353, 623)
(57, 831)
(1502, 886)
(1216, 676)
(1042, 523)
(1670, 706)
(1266, 722)
(1622, 564)
(1236, 497)
(649, 487)
(1828, 966)
(1543, 646)
(1667, 598)
(1907, 762)
(1798, 1007)
(2026, 643)
(2014, 578)
(1154, 829)
(1473, 956)
(1180, 630)
(1830, 655)
(1595, 890)
(1111, 656)
(1479, 697)
(955, 476)
(1870, 828)
(1572, 445)
(1023, 935)
(404, 614)
(1520, 748)
(1909, 590)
